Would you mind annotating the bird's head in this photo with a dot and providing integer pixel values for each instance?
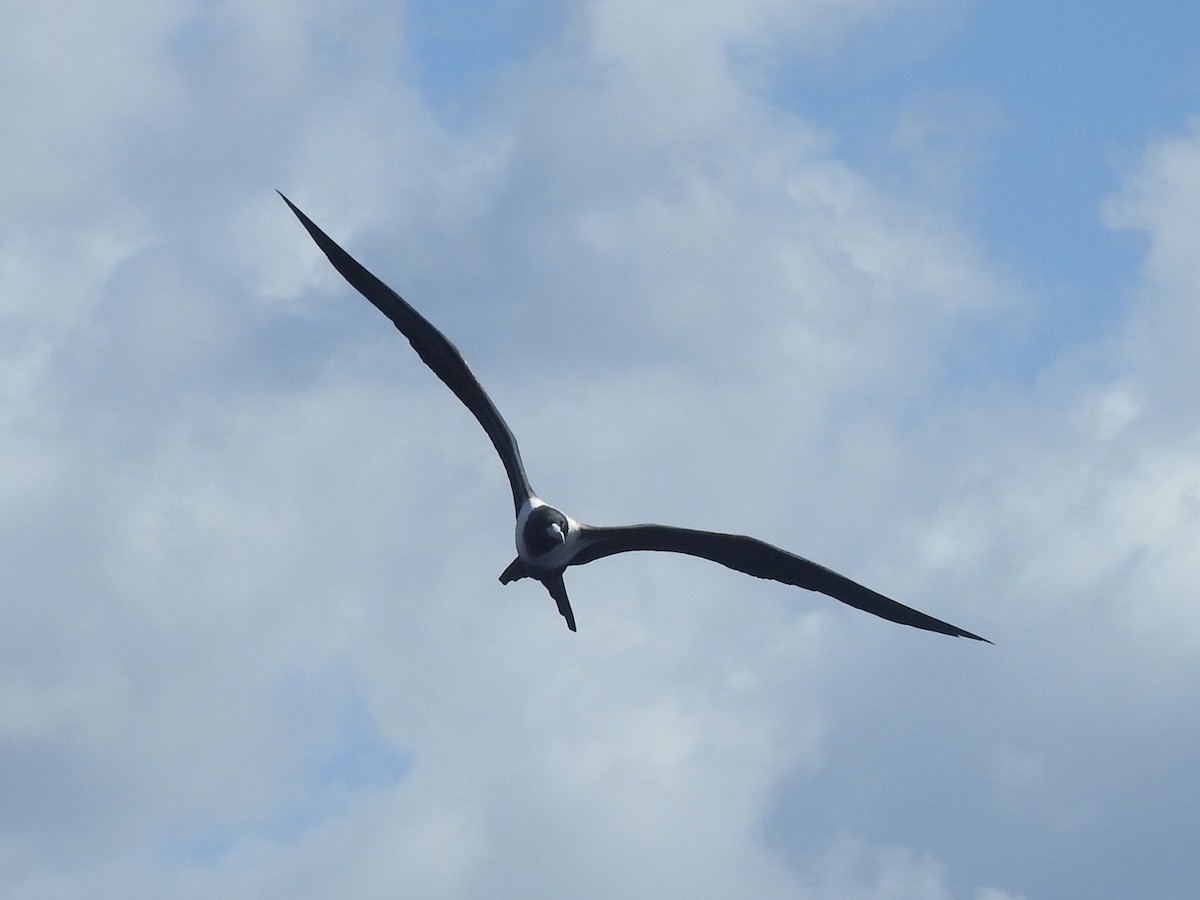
(546, 529)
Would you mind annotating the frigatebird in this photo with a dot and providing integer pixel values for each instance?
(548, 540)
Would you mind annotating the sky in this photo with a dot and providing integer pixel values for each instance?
(909, 287)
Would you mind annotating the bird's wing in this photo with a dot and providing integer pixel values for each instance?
(757, 558)
(436, 351)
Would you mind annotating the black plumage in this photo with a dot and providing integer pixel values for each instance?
(548, 541)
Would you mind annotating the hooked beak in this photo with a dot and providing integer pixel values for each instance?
(555, 531)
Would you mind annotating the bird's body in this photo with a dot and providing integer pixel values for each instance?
(546, 538)
(548, 541)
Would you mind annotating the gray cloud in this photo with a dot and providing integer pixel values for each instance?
(253, 644)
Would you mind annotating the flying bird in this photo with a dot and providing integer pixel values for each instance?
(548, 540)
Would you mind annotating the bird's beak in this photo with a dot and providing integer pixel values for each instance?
(556, 532)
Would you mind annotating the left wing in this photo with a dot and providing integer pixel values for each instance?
(757, 558)
(436, 351)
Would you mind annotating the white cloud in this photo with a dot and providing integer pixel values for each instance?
(1161, 200)
(254, 645)
(994, 894)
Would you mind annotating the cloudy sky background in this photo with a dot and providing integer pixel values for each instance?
(907, 286)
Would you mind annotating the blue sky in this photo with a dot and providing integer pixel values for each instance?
(905, 286)
(1026, 95)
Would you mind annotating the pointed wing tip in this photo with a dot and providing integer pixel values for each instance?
(349, 268)
(973, 637)
(294, 208)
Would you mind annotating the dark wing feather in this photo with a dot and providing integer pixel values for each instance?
(436, 351)
(757, 558)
